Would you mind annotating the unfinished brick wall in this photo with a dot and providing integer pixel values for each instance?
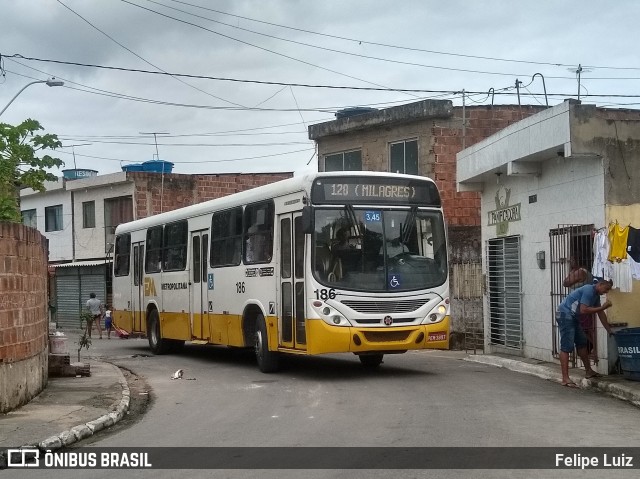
(23, 314)
(463, 208)
(178, 190)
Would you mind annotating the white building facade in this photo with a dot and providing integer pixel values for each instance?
(78, 217)
(547, 184)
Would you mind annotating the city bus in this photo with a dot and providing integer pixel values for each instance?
(340, 262)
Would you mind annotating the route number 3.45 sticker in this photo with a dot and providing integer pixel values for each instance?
(325, 293)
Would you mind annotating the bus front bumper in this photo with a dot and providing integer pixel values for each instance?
(324, 338)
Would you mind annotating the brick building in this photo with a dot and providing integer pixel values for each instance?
(423, 138)
(79, 218)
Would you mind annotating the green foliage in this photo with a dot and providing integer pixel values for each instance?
(84, 341)
(85, 316)
(20, 165)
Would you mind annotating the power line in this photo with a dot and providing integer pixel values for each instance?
(109, 142)
(399, 47)
(141, 58)
(194, 161)
(263, 82)
(320, 47)
(258, 47)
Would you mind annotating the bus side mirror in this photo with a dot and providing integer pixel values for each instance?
(307, 220)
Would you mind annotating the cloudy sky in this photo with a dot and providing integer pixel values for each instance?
(264, 68)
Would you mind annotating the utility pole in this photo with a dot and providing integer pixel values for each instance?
(155, 138)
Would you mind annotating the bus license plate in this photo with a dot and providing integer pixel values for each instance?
(438, 336)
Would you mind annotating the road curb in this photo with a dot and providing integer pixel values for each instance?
(614, 389)
(118, 409)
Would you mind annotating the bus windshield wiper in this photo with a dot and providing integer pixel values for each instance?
(409, 225)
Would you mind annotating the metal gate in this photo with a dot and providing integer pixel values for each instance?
(73, 286)
(566, 242)
(504, 292)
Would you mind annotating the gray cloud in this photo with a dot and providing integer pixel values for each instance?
(549, 31)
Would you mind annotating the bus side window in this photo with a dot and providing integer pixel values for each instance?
(122, 255)
(259, 233)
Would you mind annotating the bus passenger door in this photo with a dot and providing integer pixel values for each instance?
(291, 305)
(198, 285)
(137, 292)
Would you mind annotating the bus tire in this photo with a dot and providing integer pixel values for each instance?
(157, 344)
(371, 360)
(267, 360)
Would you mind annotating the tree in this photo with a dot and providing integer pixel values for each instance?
(20, 165)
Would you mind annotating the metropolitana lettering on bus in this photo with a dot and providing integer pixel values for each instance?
(173, 286)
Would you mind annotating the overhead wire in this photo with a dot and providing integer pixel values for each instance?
(261, 48)
(144, 59)
(361, 41)
(192, 161)
(263, 82)
(359, 55)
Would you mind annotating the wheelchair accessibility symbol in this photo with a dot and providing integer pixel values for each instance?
(394, 282)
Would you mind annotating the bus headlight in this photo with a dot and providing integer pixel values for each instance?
(438, 313)
(329, 314)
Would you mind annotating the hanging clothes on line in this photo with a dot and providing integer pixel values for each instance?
(633, 244)
(602, 267)
(618, 236)
(634, 267)
(622, 276)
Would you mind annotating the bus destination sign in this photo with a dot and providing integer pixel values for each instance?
(341, 190)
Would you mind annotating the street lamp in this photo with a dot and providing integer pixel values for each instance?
(49, 82)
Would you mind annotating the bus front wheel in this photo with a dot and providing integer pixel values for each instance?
(156, 343)
(267, 360)
(371, 360)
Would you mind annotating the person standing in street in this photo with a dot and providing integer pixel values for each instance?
(94, 306)
(584, 300)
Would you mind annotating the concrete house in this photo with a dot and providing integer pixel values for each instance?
(79, 213)
(423, 138)
(548, 184)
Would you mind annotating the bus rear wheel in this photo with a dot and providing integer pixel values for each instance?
(267, 360)
(371, 360)
(157, 344)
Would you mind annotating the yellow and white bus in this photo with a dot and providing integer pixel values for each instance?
(323, 263)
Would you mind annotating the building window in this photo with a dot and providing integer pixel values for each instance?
(345, 161)
(89, 214)
(116, 211)
(226, 238)
(53, 218)
(403, 157)
(29, 218)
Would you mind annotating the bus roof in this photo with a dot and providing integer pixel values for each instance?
(300, 183)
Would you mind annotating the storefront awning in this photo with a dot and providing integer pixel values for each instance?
(78, 264)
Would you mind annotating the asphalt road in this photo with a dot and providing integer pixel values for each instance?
(430, 399)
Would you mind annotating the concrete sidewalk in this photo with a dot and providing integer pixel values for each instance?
(614, 385)
(68, 409)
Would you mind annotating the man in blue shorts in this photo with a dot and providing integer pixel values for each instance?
(584, 300)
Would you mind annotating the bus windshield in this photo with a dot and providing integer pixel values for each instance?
(378, 249)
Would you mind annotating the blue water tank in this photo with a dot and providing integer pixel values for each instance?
(157, 166)
(78, 174)
(133, 167)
